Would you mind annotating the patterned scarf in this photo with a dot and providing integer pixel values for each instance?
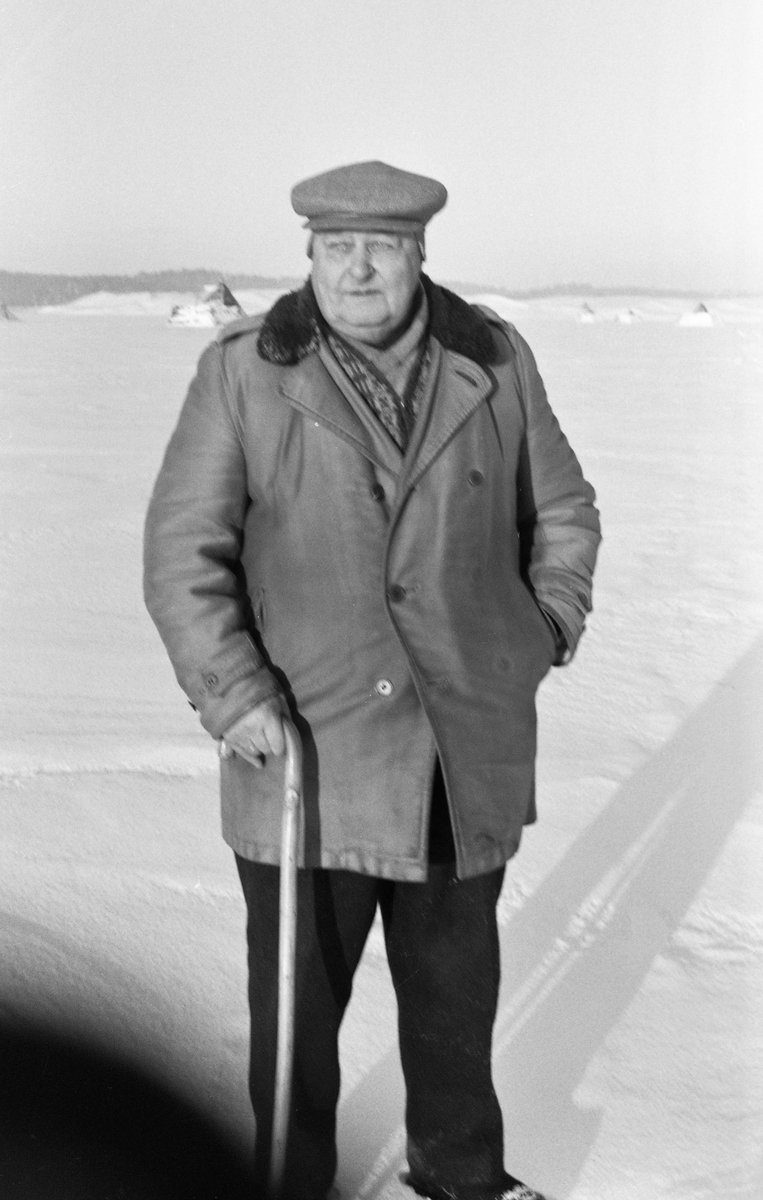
(407, 360)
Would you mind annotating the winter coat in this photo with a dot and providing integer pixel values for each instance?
(396, 600)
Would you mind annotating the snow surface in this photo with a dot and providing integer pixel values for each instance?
(629, 1046)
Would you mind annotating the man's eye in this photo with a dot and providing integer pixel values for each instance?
(382, 247)
(340, 247)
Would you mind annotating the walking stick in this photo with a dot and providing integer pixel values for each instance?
(287, 948)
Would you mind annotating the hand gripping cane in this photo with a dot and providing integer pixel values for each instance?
(287, 948)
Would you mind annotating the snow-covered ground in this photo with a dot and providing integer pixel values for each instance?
(629, 1047)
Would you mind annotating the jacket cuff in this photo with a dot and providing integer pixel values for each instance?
(218, 712)
(229, 684)
(564, 644)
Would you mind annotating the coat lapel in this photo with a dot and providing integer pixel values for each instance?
(462, 346)
(386, 451)
(457, 387)
(312, 389)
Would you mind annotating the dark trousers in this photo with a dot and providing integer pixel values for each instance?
(442, 948)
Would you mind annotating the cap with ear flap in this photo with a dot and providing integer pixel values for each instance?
(370, 196)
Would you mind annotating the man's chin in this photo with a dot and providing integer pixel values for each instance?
(364, 325)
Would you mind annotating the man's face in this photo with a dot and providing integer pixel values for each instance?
(365, 282)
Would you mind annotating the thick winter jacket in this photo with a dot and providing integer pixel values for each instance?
(395, 600)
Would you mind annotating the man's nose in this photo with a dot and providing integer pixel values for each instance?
(360, 264)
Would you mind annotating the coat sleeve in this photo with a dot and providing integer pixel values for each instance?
(557, 518)
(193, 584)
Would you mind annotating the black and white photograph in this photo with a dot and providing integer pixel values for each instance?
(381, 600)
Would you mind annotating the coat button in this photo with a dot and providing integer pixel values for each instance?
(396, 592)
(384, 687)
(377, 491)
(211, 681)
(475, 478)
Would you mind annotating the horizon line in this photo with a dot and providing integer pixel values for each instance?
(262, 280)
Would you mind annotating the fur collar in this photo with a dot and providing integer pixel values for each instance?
(291, 330)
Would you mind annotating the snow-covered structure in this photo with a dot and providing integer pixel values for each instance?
(698, 318)
(628, 316)
(216, 305)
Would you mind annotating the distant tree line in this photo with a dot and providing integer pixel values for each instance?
(28, 290)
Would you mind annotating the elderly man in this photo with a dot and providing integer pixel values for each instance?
(369, 518)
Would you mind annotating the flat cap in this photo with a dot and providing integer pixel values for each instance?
(368, 195)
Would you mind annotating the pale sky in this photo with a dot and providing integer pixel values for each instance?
(605, 141)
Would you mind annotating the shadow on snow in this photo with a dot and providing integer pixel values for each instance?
(77, 1123)
(578, 952)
